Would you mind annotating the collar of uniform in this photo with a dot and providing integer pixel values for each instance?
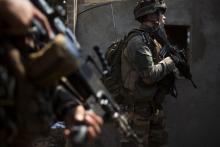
(146, 28)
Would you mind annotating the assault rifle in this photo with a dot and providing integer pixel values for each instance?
(83, 82)
(171, 51)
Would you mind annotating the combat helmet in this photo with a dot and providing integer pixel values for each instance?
(145, 7)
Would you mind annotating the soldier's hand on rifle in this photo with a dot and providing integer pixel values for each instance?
(88, 118)
(177, 61)
(182, 66)
(17, 15)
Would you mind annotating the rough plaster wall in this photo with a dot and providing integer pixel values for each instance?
(96, 27)
(70, 14)
(193, 119)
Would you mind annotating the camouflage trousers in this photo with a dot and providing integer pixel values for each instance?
(151, 127)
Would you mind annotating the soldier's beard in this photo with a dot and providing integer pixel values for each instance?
(156, 24)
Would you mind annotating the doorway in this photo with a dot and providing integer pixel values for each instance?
(180, 36)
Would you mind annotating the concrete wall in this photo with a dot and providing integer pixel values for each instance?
(194, 118)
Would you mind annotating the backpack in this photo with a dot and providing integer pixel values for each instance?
(113, 81)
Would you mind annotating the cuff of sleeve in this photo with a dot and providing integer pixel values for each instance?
(65, 110)
(168, 63)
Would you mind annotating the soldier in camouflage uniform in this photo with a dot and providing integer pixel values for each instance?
(27, 110)
(144, 75)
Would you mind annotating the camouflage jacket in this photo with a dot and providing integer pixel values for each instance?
(141, 66)
(26, 110)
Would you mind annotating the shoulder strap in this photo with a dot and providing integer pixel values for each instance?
(131, 34)
(128, 37)
(147, 39)
(145, 36)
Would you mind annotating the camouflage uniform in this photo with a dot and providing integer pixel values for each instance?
(26, 109)
(146, 78)
(142, 70)
(30, 110)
